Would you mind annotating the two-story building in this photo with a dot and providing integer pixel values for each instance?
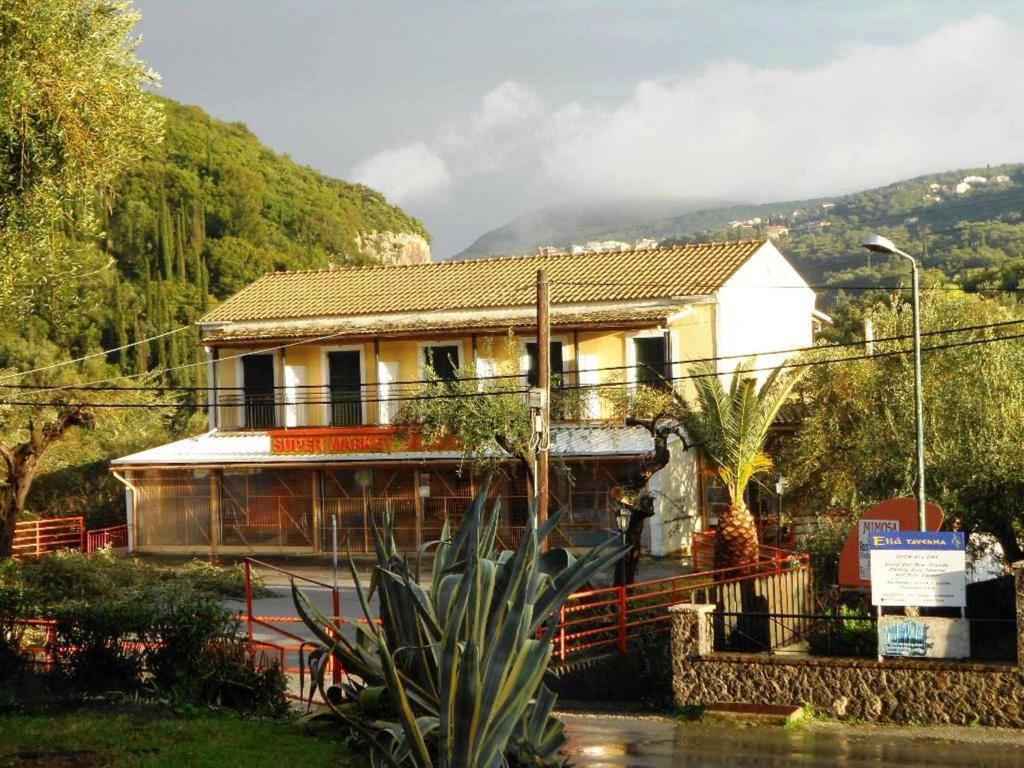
(308, 370)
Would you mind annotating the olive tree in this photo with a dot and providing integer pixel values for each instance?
(73, 118)
(855, 445)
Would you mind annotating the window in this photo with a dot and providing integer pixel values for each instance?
(557, 364)
(345, 383)
(445, 360)
(258, 391)
(652, 367)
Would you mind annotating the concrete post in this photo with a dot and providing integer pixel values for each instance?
(692, 630)
(692, 637)
(1018, 576)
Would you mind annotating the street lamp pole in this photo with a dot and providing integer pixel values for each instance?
(880, 244)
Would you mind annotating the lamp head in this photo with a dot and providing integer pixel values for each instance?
(880, 244)
(622, 520)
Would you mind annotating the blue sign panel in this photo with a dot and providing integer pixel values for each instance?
(952, 540)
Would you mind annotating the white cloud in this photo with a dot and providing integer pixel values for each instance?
(509, 105)
(871, 115)
(404, 173)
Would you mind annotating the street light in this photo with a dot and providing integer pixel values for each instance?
(622, 523)
(879, 244)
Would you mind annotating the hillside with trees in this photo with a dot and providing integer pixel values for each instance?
(198, 215)
(210, 210)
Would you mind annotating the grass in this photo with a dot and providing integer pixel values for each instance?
(149, 737)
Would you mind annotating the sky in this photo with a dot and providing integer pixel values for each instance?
(470, 114)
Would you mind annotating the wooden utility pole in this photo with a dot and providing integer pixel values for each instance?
(544, 382)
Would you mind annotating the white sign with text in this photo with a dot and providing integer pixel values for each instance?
(918, 569)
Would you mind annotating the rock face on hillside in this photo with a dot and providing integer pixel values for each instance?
(394, 248)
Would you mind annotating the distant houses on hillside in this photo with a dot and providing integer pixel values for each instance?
(599, 246)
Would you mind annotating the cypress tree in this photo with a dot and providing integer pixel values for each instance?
(179, 245)
(122, 326)
(166, 241)
(141, 350)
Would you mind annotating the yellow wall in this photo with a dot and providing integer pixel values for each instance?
(692, 336)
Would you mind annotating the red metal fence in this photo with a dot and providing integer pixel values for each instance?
(34, 538)
(287, 645)
(604, 620)
(115, 537)
(593, 621)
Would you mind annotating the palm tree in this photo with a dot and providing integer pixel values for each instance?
(731, 428)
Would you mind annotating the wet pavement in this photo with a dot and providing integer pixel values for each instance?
(645, 742)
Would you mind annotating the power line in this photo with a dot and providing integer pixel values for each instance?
(132, 376)
(812, 363)
(102, 353)
(42, 389)
(602, 385)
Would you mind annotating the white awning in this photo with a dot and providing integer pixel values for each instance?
(216, 448)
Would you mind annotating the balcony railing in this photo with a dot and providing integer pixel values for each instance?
(371, 405)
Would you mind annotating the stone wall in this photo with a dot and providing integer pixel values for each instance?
(893, 691)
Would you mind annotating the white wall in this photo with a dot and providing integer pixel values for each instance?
(765, 306)
(677, 502)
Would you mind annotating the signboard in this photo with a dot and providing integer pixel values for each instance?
(865, 530)
(918, 569)
(298, 442)
(924, 637)
(898, 515)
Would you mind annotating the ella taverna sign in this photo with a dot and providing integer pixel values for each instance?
(922, 569)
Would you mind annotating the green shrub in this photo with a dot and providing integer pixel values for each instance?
(201, 656)
(824, 543)
(454, 673)
(221, 581)
(99, 645)
(124, 625)
(847, 635)
(15, 604)
(67, 575)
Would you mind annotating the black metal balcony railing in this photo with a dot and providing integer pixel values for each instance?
(311, 406)
(371, 405)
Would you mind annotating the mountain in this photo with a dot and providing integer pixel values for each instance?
(563, 225)
(970, 231)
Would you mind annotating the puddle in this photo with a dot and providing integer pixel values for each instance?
(633, 742)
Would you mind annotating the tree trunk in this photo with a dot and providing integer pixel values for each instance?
(736, 543)
(22, 461)
(625, 573)
(1012, 551)
(8, 524)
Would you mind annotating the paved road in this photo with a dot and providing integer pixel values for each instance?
(618, 742)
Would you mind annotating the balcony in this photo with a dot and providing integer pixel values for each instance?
(372, 405)
(310, 407)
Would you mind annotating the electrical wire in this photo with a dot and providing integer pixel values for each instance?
(493, 393)
(102, 353)
(520, 375)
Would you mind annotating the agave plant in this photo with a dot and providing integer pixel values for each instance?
(453, 674)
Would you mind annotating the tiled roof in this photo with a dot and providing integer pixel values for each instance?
(683, 270)
(216, 448)
(397, 327)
